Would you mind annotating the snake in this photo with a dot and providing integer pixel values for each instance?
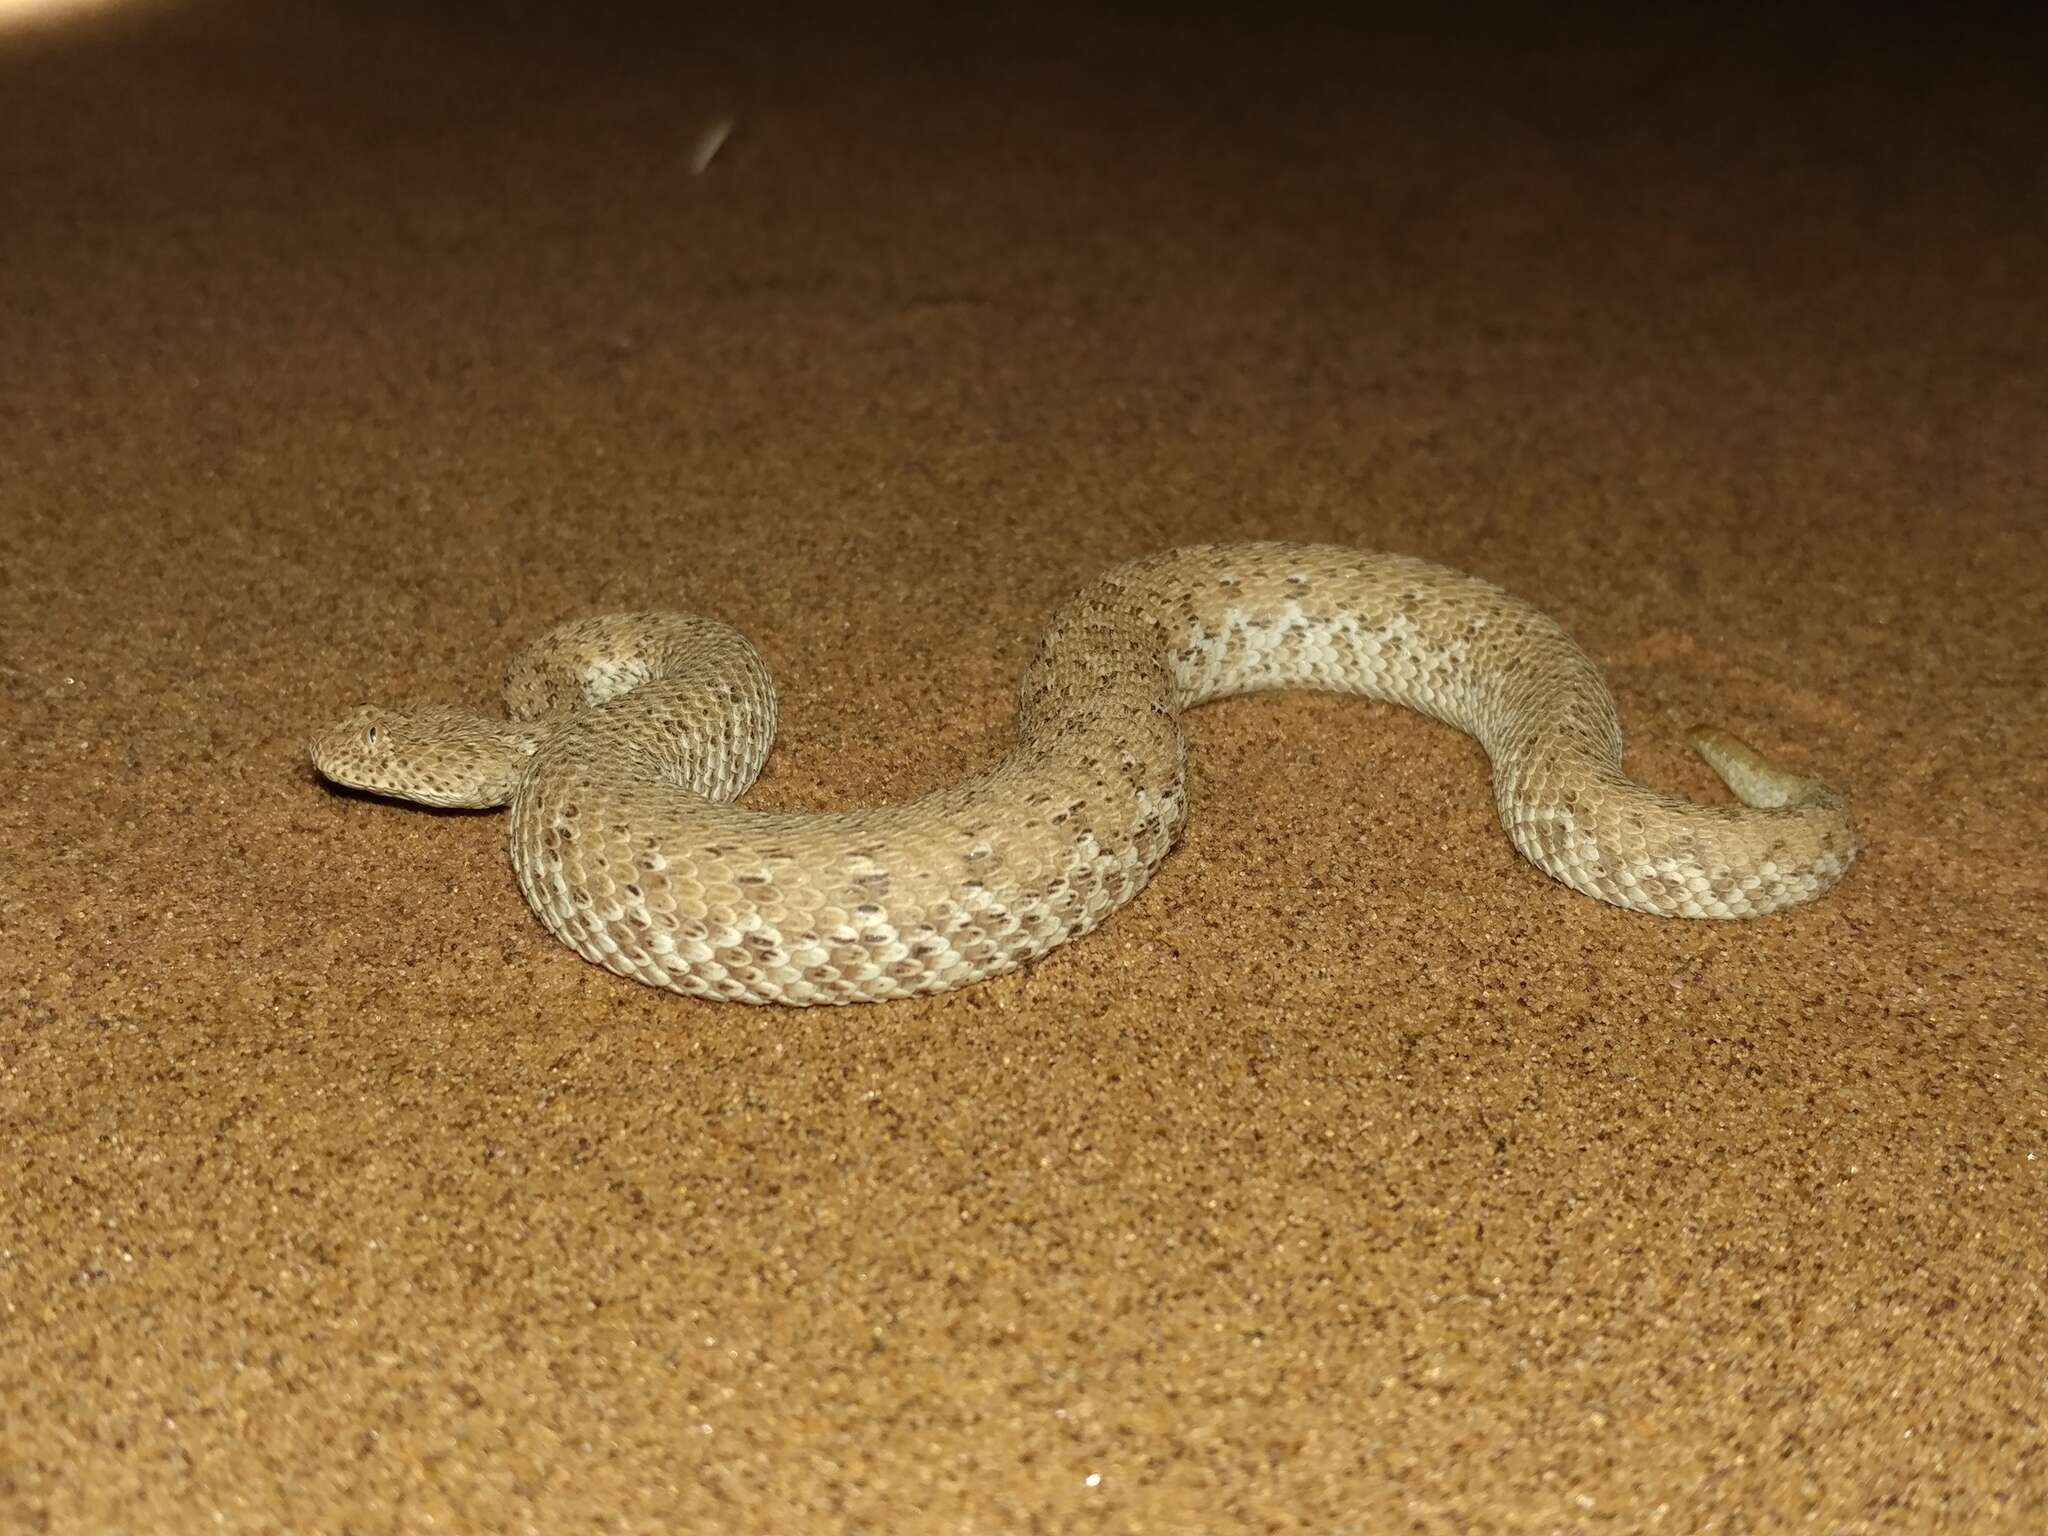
(627, 738)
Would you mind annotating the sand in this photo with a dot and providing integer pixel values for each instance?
(1356, 1178)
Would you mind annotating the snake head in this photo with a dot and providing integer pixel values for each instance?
(428, 755)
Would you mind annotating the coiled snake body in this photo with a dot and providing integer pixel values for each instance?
(630, 735)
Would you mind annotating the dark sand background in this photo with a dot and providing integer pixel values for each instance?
(1356, 1178)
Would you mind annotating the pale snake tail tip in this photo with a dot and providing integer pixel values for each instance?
(1754, 777)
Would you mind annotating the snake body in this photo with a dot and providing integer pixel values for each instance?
(630, 735)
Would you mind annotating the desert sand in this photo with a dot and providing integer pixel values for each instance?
(1356, 1178)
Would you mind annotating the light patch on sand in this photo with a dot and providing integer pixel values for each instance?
(21, 14)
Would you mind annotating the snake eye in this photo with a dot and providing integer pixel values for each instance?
(370, 738)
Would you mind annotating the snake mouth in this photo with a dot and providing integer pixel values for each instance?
(339, 783)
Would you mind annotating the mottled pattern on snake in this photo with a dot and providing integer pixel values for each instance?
(630, 735)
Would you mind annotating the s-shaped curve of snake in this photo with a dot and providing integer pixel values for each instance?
(630, 735)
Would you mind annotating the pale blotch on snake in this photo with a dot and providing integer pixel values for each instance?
(630, 735)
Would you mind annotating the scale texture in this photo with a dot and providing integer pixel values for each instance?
(630, 735)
